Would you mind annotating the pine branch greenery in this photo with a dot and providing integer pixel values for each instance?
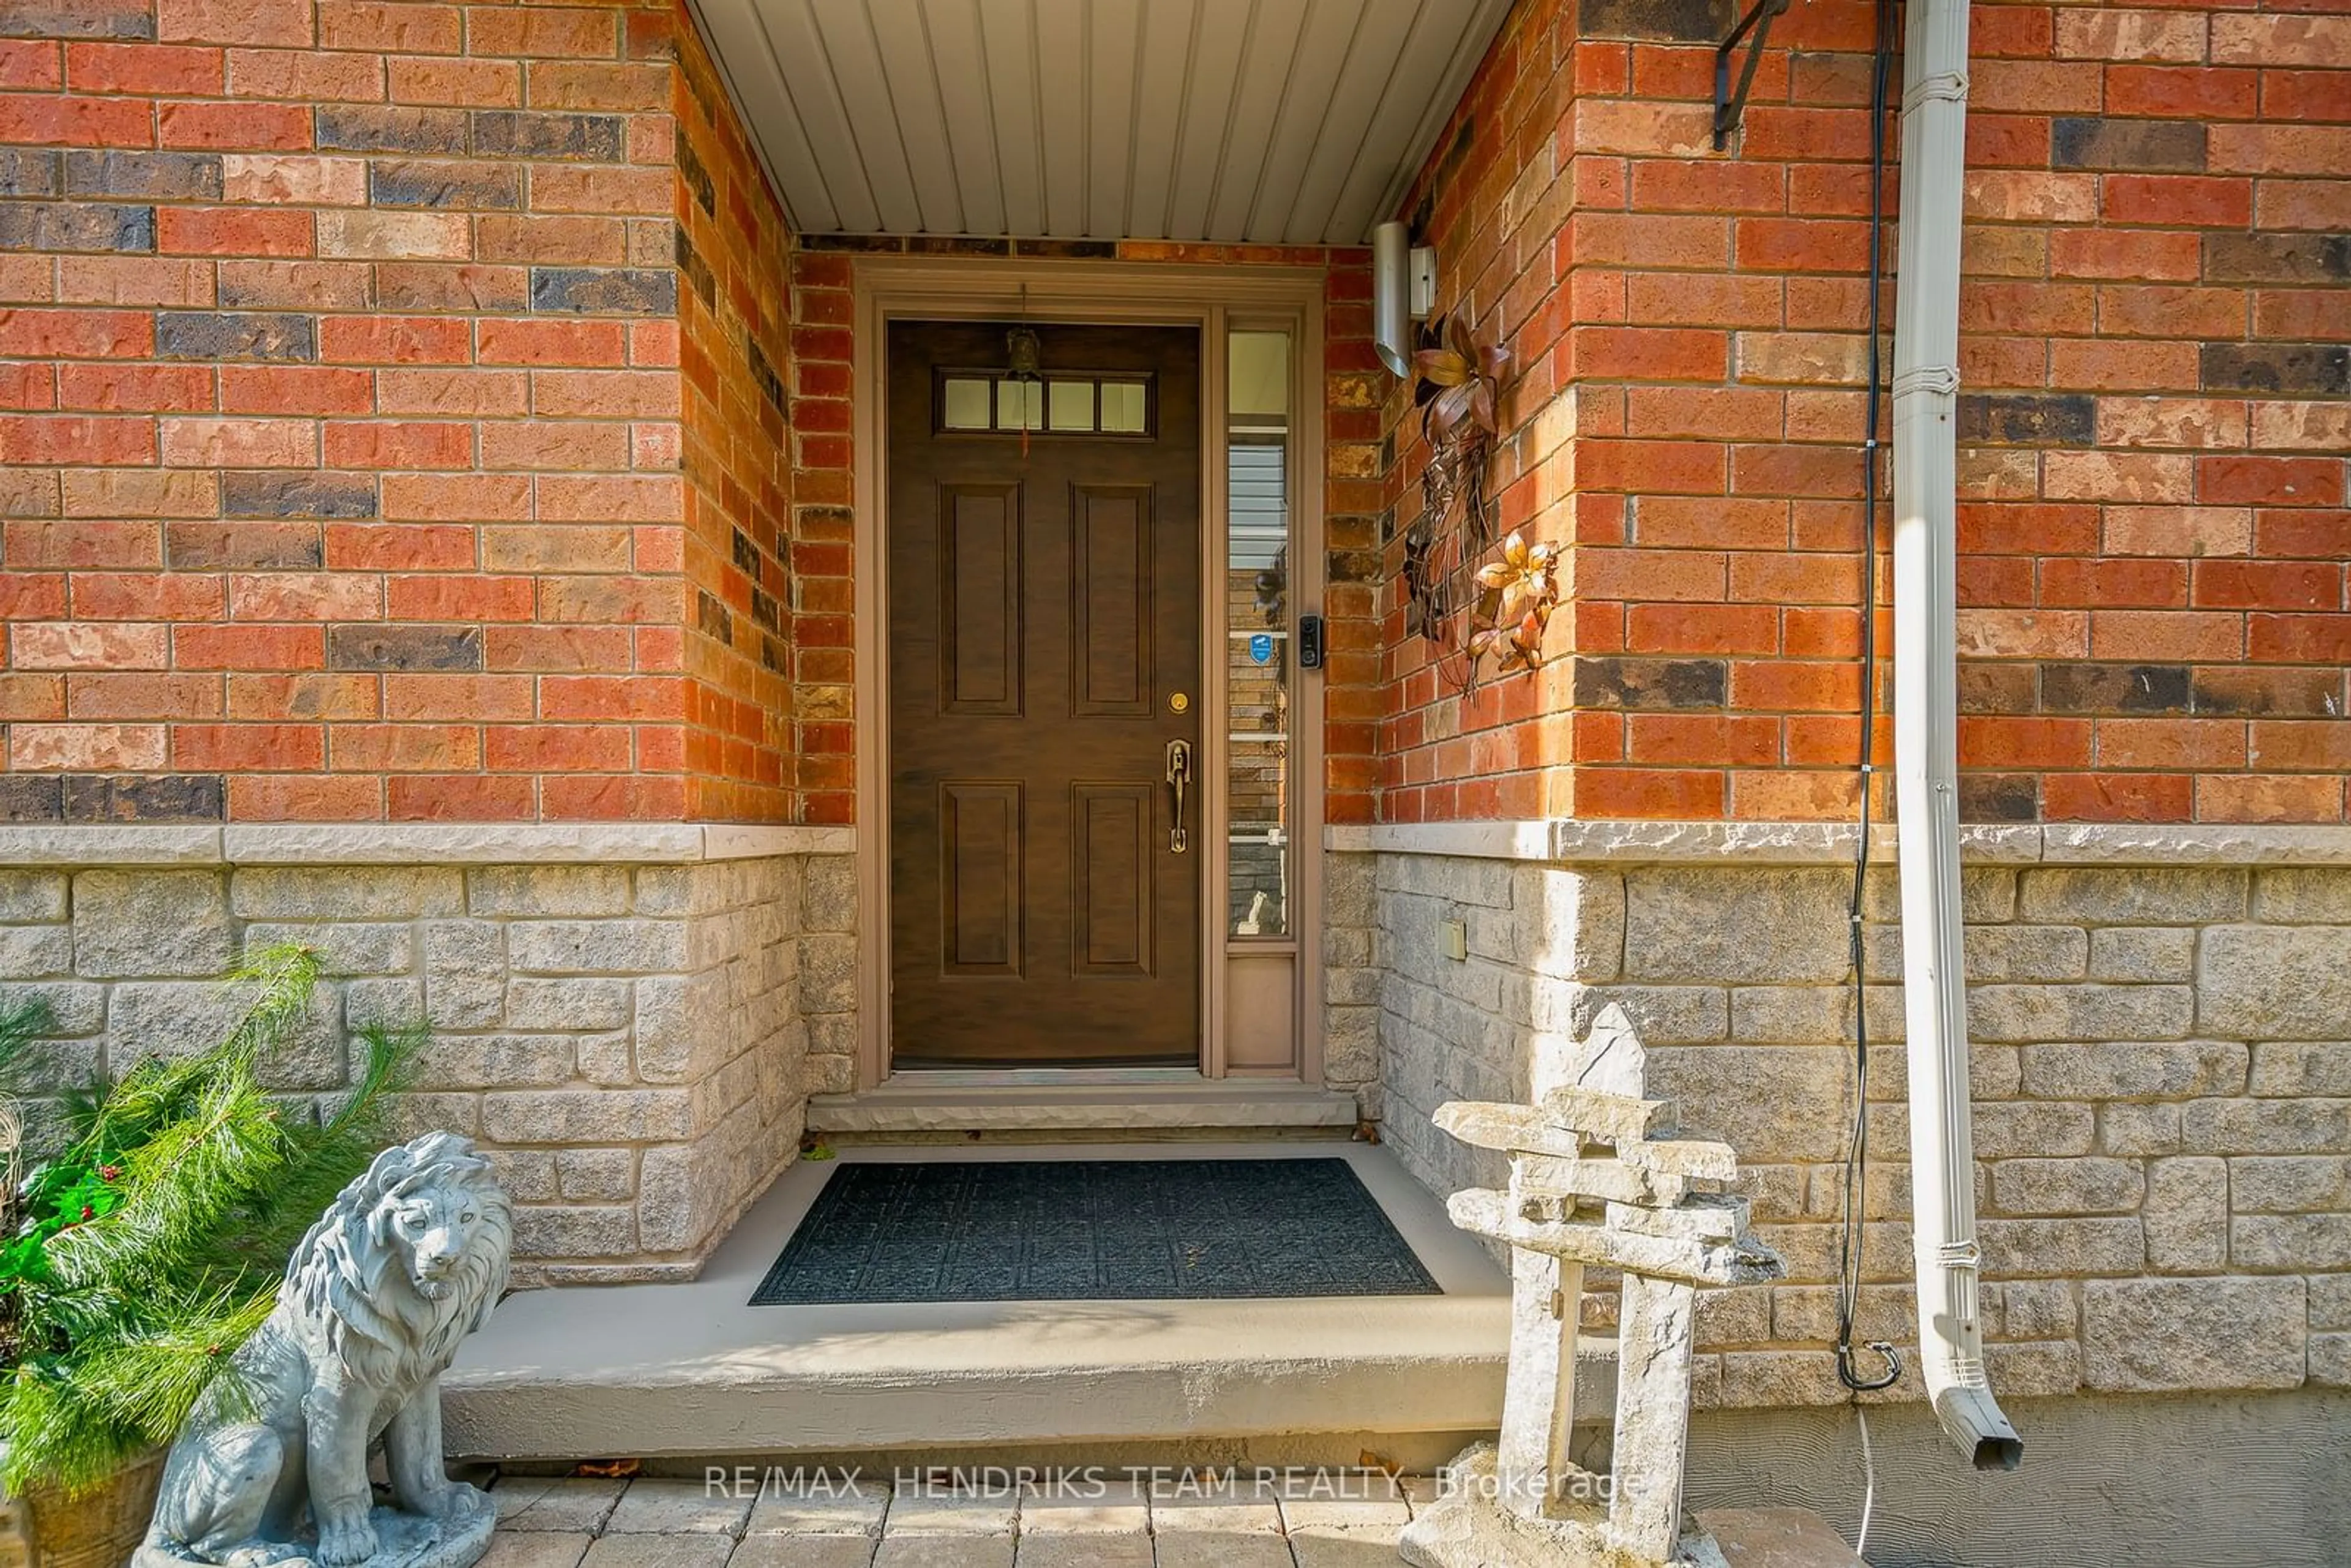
(150, 1243)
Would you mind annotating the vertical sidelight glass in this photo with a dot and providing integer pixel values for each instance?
(1261, 782)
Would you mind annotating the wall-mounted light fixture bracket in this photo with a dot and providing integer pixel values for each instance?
(1729, 106)
(1403, 290)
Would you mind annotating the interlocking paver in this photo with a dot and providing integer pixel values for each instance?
(855, 1509)
(933, 1513)
(661, 1506)
(1353, 1546)
(1084, 1548)
(772, 1551)
(1086, 1509)
(1223, 1515)
(945, 1552)
(554, 1502)
(1222, 1549)
(702, 1550)
(535, 1549)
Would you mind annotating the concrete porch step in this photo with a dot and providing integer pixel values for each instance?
(1143, 1102)
(690, 1370)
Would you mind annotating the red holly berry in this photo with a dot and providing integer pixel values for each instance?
(110, 1173)
(87, 1214)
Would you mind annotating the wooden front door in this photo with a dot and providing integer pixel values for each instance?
(1044, 655)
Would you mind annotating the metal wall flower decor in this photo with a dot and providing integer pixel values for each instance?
(1461, 600)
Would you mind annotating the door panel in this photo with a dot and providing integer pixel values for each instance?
(1044, 609)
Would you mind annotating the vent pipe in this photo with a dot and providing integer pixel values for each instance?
(1926, 731)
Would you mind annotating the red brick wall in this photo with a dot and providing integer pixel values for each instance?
(2152, 521)
(345, 416)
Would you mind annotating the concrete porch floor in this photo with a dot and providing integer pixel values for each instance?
(692, 1371)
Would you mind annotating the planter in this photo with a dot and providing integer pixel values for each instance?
(47, 1529)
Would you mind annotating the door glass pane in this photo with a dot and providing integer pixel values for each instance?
(1072, 404)
(1123, 411)
(967, 400)
(1019, 405)
(1257, 633)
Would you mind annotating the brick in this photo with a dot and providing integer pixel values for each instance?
(305, 77)
(359, 647)
(293, 389)
(52, 226)
(283, 23)
(376, 129)
(273, 494)
(2026, 419)
(2277, 258)
(76, 121)
(508, 133)
(620, 292)
(2316, 368)
(415, 182)
(470, 83)
(232, 231)
(206, 335)
(294, 180)
(395, 236)
(390, 29)
(154, 176)
(394, 340)
(240, 442)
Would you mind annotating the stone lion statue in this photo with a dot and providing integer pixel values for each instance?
(405, 1263)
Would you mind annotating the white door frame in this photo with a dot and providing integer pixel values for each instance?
(1216, 299)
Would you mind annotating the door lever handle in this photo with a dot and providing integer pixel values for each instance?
(1179, 774)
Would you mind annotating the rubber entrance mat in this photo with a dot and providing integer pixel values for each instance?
(1016, 1230)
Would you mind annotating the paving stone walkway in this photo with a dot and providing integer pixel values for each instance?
(664, 1523)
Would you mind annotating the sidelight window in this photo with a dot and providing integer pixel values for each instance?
(1260, 781)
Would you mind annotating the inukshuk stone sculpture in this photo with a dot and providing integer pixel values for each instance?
(1659, 1212)
(272, 1466)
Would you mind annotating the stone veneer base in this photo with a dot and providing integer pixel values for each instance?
(631, 1022)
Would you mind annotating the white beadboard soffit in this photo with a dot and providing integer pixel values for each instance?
(1266, 121)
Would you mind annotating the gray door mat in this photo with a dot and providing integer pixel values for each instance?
(1076, 1230)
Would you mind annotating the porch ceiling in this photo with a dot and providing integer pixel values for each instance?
(1273, 122)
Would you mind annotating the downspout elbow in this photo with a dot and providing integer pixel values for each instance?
(1926, 726)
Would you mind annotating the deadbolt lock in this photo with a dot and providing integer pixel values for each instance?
(1178, 702)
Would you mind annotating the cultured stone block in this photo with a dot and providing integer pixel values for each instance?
(2010, 1128)
(2302, 1067)
(2080, 1013)
(150, 923)
(2116, 1070)
(2063, 1248)
(2057, 1186)
(570, 1005)
(29, 895)
(345, 893)
(1764, 926)
(2275, 982)
(575, 1230)
(1569, 925)
(1998, 954)
(2137, 896)
(75, 1007)
(608, 1176)
(606, 1058)
(1663, 1015)
(393, 1003)
(465, 973)
(2036, 1309)
(2187, 1215)
(2151, 1335)
(597, 946)
(2289, 1184)
(588, 1116)
(2330, 1301)
(494, 1060)
(2142, 954)
(36, 952)
(2304, 895)
(2265, 1126)
(174, 1017)
(2136, 1129)
(828, 899)
(828, 974)
(2330, 1361)
(575, 890)
(344, 947)
(1791, 1015)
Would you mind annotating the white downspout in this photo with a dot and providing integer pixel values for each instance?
(1926, 730)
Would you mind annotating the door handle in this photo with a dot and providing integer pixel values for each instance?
(1179, 774)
